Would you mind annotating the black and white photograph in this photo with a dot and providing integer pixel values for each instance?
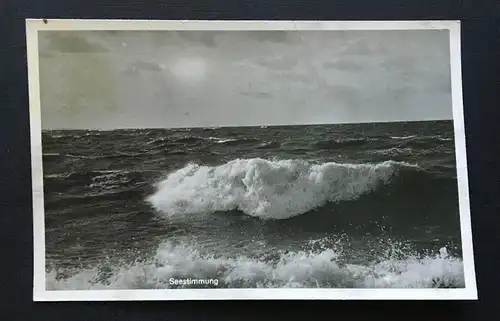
(182, 160)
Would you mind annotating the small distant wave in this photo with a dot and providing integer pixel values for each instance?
(188, 139)
(222, 140)
(338, 143)
(267, 189)
(237, 141)
(157, 140)
(394, 151)
(173, 141)
(87, 174)
(51, 154)
(321, 268)
(421, 141)
(58, 134)
(94, 183)
(83, 156)
(425, 142)
(269, 145)
(403, 137)
(109, 180)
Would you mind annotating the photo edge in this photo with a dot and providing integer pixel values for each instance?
(320, 25)
(41, 294)
(36, 157)
(323, 294)
(461, 156)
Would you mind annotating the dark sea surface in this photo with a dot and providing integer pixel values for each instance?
(361, 205)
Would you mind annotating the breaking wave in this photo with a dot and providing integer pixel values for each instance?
(268, 189)
(287, 269)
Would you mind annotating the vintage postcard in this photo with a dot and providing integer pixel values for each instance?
(187, 160)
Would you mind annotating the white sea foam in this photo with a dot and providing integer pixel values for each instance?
(267, 189)
(222, 140)
(291, 269)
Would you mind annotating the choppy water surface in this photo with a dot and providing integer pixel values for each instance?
(365, 205)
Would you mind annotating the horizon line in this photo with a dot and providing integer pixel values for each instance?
(246, 126)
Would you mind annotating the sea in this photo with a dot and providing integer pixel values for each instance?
(371, 205)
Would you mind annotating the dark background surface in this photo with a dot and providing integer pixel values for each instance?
(481, 82)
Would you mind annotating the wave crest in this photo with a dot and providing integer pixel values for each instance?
(267, 189)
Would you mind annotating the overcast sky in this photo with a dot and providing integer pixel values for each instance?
(126, 79)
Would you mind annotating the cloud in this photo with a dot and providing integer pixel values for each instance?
(68, 42)
(223, 78)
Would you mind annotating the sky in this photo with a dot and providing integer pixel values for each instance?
(166, 79)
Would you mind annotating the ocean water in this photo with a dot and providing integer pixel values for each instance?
(358, 205)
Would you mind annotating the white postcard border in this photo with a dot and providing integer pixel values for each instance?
(39, 288)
